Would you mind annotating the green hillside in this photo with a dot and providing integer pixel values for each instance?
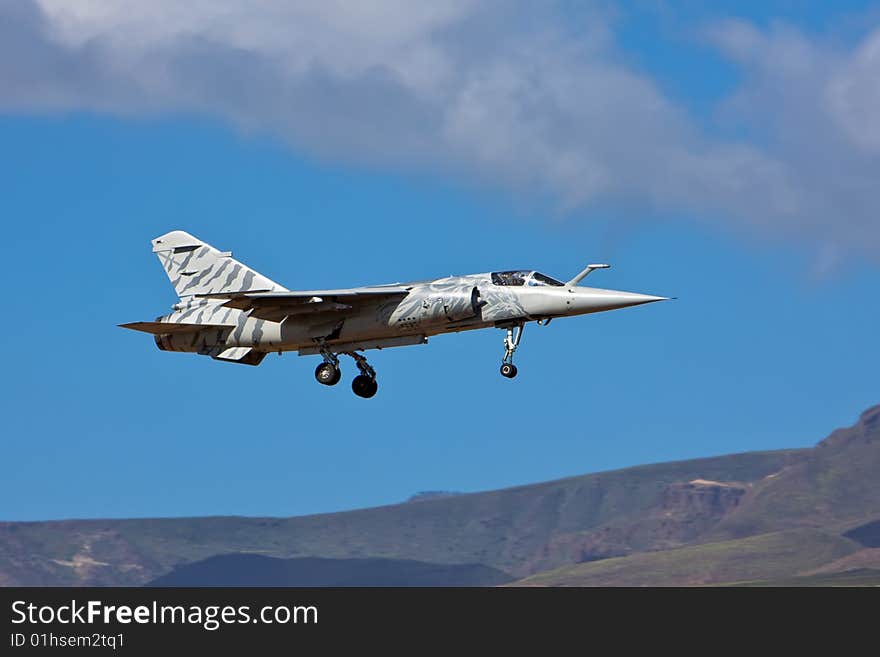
(857, 577)
(776, 555)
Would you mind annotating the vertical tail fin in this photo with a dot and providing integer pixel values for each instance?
(194, 267)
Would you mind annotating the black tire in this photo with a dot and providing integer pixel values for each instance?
(364, 386)
(327, 374)
(508, 370)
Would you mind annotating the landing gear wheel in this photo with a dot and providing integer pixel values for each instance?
(328, 374)
(511, 342)
(508, 370)
(364, 386)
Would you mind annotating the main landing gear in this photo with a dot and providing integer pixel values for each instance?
(511, 342)
(329, 374)
(364, 384)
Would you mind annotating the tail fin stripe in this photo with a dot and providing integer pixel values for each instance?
(189, 256)
(197, 279)
(195, 268)
(218, 273)
(232, 276)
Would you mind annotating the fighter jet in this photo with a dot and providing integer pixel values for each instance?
(232, 313)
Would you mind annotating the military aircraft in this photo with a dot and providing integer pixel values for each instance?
(232, 313)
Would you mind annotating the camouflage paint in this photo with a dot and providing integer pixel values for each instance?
(426, 308)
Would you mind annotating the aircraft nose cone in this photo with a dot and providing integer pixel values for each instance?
(624, 299)
(596, 300)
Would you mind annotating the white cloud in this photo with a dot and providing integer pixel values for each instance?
(854, 95)
(813, 106)
(345, 38)
(480, 89)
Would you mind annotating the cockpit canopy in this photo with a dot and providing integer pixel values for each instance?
(523, 277)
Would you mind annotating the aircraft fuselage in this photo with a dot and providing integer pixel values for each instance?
(445, 305)
(232, 313)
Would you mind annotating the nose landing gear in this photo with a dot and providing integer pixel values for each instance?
(511, 342)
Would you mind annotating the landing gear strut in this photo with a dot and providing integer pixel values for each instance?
(364, 384)
(511, 342)
(329, 374)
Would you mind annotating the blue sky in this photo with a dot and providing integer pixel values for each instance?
(771, 343)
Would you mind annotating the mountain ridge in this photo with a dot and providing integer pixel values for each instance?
(575, 522)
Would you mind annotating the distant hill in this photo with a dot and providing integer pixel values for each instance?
(259, 570)
(517, 530)
(421, 496)
(824, 501)
(832, 484)
(744, 517)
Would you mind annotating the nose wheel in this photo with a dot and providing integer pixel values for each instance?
(511, 342)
